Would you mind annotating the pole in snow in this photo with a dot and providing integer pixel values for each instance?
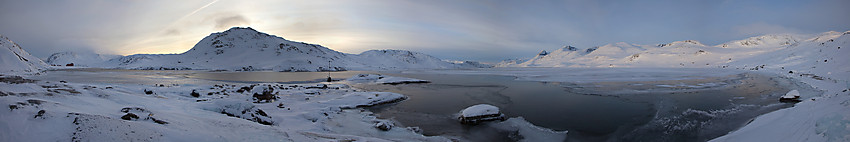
(329, 71)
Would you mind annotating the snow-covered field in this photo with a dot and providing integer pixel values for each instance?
(60, 111)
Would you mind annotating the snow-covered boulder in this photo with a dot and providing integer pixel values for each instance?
(791, 96)
(384, 125)
(263, 93)
(240, 109)
(365, 99)
(480, 112)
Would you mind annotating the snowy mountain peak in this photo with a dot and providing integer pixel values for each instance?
(589, 50)
(248, 29)
(239, 40)
(244, 32)
(569, 48)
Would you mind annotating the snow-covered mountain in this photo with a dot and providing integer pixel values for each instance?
(386, 59)
(78, 59)
(14, 60)
(776, 51)
(245, 49)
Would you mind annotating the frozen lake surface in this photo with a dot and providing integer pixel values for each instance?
(683, 107)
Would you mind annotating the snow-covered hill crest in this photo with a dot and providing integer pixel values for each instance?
(746, 53)
(14, 60)
(401, 59)
(77, 58)
(246, 49)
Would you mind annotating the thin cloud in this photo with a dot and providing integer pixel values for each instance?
(231, 21)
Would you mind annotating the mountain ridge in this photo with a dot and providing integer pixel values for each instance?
(686, 53)
(246, 49)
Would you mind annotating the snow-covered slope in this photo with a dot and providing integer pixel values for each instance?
(245, 49)
(14, 60)
(78, 59)
(821, 61)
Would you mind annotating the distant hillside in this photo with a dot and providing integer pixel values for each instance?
(801, 52)
(245, 49)
(14, 60)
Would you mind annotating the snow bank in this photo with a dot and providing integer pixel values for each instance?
(365, 99)
(381, 79)
(529, 132)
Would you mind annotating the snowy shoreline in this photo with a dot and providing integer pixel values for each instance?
(186, 112)
(302, 112)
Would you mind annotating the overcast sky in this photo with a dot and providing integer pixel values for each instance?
(448, 29)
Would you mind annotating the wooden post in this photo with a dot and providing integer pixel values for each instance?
(329, 71)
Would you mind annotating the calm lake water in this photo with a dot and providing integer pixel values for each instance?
(676, 110)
